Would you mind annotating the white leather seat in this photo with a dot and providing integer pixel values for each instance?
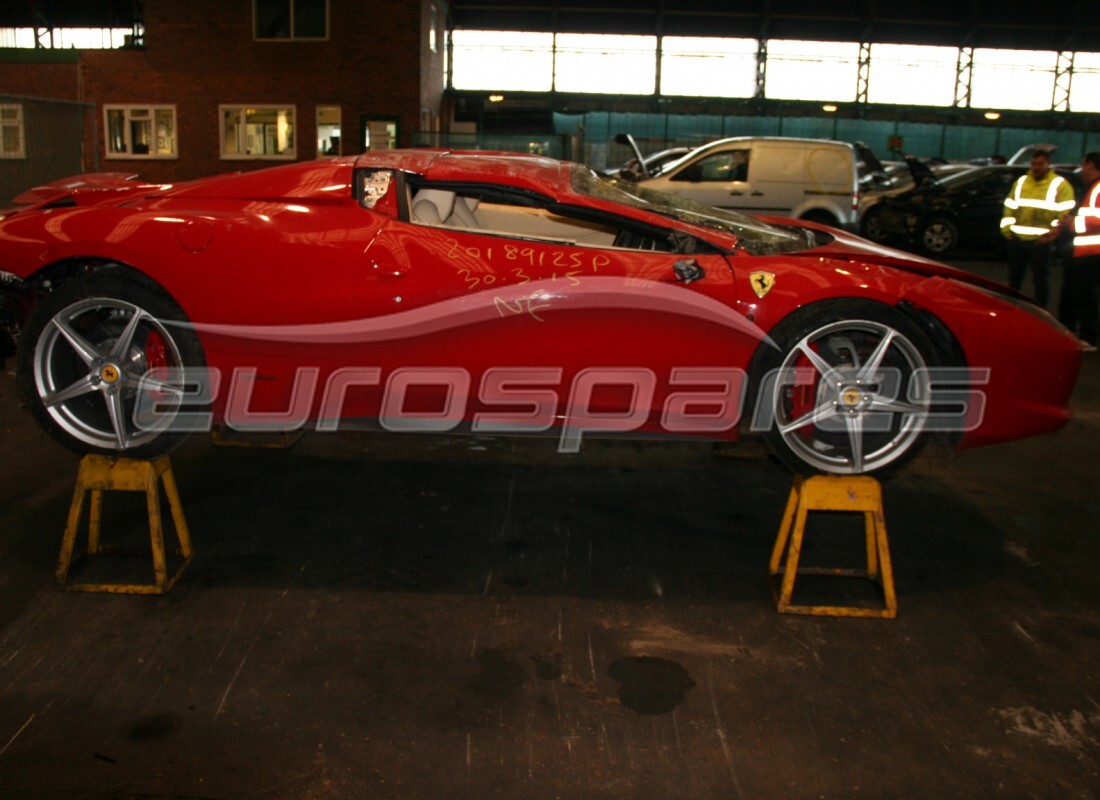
(432, 206)
(465, 213)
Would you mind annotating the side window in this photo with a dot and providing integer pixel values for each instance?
(731, 165)
(257, 132)
(494, 212)
(997, 187)
(11, 131)
(140, 131)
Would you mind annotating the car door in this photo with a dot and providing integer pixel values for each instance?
(978, 208)
(594, 315)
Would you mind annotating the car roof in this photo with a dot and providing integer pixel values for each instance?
(782, 140)
(536, 173)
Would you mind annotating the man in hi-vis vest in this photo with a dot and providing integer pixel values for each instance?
(1078, 307)
(1033, 210)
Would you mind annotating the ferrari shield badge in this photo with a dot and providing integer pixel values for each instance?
(762, 282)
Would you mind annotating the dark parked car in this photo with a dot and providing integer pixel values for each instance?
(949, 211)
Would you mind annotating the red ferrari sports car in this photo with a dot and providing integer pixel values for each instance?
(427, 290)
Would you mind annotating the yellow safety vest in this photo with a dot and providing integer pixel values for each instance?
(1033, 207)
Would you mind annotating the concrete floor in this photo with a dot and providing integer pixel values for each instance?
(424, 617)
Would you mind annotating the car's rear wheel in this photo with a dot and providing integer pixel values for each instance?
(100, 364)
(871, 226)
(938, 236)
(846, 390)
(821, 217)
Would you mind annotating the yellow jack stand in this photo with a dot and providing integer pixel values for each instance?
(833, 493)
(99, 474)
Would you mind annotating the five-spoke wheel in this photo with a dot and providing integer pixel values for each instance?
(101, 364)
(848, 390)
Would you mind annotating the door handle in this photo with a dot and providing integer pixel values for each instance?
(388, 271)
(736, 193)
(757, 194)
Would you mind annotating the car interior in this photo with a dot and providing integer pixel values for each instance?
(499, 213)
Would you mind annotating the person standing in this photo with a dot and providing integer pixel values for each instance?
(1033, 210)
(1079, 306)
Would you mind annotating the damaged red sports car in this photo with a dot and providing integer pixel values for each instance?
(506, 294)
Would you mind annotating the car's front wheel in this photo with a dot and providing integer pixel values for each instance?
(101, 363)
(846, 389)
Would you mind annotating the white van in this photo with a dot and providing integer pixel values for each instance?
(814, 179)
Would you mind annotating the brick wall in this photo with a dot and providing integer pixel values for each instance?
(201, 53)
(33, 77)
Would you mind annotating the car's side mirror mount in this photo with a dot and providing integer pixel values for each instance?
(627, 139)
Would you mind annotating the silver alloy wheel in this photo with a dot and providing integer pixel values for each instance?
(93, 361)
(853, 396)
(938, 237)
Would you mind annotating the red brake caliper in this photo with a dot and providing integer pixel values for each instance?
(156, 356)
(803, 393)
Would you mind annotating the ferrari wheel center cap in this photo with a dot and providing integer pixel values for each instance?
(109, 373)
(851, 397)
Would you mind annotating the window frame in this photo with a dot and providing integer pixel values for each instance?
(695, 171)
(242, 108)
(20, 125)
(317, 111)
(127, 108)
(291, 37)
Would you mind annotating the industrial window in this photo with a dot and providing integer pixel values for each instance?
(68, 38)
(290, 19)
(1084, 91)
(257, 132)
(912, 74)
(708, 67)
(812, 70)
(605, 64)
(140, 131)
(1021, 79)
(508, 60)
(11, 131)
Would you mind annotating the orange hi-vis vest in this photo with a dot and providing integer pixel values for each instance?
(1086, 225)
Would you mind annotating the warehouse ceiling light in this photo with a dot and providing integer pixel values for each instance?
(496, 98)
(992, 115)
(829, 107)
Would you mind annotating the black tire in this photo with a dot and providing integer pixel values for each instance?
(937, 237)
(82, 357)
(870, 227)
(856, 417)
(821, 217)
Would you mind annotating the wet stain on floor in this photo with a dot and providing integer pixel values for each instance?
(650, 685)
(498, 678)
(154, 727)
(548, 666)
